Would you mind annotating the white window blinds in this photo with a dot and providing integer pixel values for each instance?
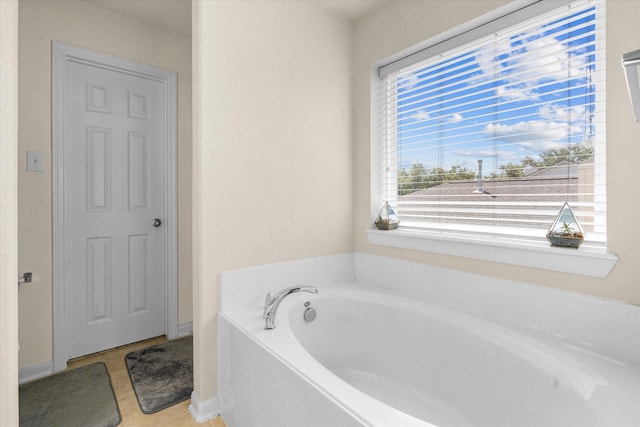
(492, 136)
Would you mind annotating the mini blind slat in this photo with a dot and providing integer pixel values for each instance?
(525, 101)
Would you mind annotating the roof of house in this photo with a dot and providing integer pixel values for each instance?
(508, 198)
(535, 189)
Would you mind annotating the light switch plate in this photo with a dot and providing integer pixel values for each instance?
(35, 161)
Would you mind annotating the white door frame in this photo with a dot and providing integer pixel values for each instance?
(62, 55)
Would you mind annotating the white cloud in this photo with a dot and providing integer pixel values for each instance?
(526, 65)
(515, 92)
(503, 156)
(534, 135)
(475, 153)
(561, 113)
(408, 82)
(486, 57)
(547, 59)
(454, 118)
(420, 115)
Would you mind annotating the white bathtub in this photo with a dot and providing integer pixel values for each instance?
(375, 358)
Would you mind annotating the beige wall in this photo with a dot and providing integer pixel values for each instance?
(405, 23)
(8, 213)
(273, 161)
(92, 27)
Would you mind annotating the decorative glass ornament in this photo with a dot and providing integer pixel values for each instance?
(387, 218)
(565, 232)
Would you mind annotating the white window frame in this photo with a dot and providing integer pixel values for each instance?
(589, 260)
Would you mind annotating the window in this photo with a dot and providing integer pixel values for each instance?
(489, 132)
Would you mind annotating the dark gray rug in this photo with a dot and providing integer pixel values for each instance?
(81, 397)
(162, 375)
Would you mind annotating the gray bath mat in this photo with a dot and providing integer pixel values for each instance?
(162, 375)
(81, 397)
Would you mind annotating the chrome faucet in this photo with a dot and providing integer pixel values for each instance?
(271, 303)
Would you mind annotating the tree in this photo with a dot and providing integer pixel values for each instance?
(573, 153)
(458, 173)
(418, 177)
(511, 170)
(412, 180)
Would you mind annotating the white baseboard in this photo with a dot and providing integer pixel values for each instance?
(33, 372)
(39, 370)
(203, 411)
(185, 329)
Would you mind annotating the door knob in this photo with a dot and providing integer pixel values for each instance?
(156, 222)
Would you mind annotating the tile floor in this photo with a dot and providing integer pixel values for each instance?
(175, 416)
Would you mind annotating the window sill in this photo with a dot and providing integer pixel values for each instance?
(586, 261)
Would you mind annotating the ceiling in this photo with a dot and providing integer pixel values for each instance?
(350, 9)
(172, 14)
(176, 14)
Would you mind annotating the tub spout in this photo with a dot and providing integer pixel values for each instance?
(271, 303)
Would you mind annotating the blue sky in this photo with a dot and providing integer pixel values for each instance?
(520, 96)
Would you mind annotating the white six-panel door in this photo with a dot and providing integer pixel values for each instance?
(115, 206)
(115, 192)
